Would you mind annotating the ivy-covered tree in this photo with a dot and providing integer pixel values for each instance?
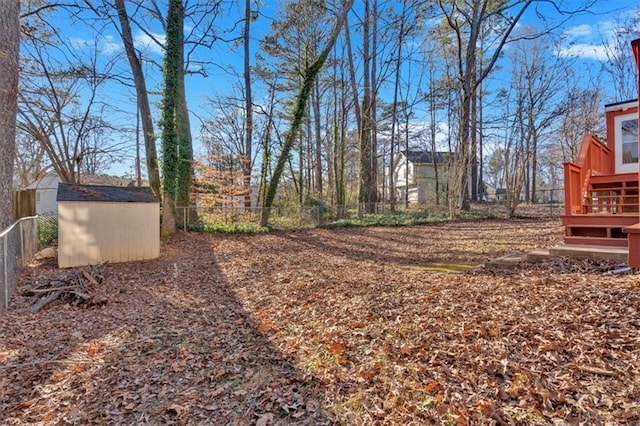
(177, 151)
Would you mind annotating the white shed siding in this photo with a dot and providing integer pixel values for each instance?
(94, 232)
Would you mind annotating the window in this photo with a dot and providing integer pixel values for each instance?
(629, 139)
(626, 143)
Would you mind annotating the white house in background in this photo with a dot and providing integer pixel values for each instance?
(420, 168)
(46, 187)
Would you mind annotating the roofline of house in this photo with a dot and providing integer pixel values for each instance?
(621, 106)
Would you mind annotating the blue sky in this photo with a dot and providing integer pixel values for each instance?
(583, 34)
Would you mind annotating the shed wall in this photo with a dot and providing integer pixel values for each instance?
(93, 232)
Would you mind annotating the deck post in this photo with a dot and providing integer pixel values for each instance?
(633, 231)
(633, 239)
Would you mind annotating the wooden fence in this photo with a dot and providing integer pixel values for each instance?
(24, 203)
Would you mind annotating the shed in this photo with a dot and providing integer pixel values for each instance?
(106, 224)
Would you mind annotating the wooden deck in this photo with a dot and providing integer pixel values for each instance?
(597, 229)
(599, 204)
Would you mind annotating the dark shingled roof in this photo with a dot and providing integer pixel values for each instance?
(98, 193)
(422, 157)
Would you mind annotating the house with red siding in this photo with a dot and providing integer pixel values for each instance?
(602, 201)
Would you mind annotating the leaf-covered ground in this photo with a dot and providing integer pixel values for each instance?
(347, 326)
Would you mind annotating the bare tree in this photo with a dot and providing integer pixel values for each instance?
(247, 163)
(474, 24)
(535, 103)
(30, 159)
(468, 21)
(309, 75)
(619, 65)
(582, 116)
(59, 105)
(368, 191)
(142, 96)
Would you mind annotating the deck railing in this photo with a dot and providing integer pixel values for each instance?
(613, 194)
(593, 159)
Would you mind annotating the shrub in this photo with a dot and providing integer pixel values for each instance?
(228, 227)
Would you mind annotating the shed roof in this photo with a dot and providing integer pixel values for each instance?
(100, 193)
(421, 157)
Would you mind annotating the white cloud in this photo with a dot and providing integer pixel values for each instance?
(147, 42)
(105, 45)
(584, 50)
(579, 31)
(110, 45)
(79, 43)
(588, 41)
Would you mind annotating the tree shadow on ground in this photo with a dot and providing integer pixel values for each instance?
(173, 344)
(461, 242)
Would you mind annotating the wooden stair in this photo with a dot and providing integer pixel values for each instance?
(611, 203)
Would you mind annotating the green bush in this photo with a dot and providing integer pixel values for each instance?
(228, 228)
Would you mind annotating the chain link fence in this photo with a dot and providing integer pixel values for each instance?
(18, 243)
(241, 219)
(48, 230)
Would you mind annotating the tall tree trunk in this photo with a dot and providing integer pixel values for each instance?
(307, 136)
(458, 184)
(474, 145)
(533, 134)
(266, 145)
(9, 51)
(301, 167)
(248, 143)
(142, 98)
(352, 79)
(432, 130)
(394, 109)
(183, 125)
(374, 103)
(481, 185)
(171, 129)
(339, 134)
(185, 147)
(179, 112)
(318, 138)
(365, 196)
(309, 76)
(406, 169)
(534, 164)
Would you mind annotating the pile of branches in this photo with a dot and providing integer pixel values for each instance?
(76, 287)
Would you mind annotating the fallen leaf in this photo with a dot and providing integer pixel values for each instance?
(218, 391)
(337, 348)
(265, 419)
(432, 386)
